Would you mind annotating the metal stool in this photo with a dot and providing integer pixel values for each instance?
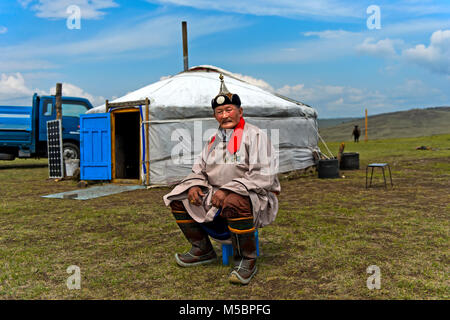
(382, 166)
(227, 250)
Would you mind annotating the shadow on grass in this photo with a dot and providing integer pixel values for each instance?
(23, 166)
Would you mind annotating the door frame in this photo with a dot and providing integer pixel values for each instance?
(113, 147)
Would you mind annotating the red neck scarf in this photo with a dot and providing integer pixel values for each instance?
(236, 138)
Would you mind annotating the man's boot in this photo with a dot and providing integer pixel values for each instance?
(244, 250)
(202, 251)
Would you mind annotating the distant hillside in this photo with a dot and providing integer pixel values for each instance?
(402, 124)
(326, 123)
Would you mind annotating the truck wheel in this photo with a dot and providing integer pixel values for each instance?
(7, 156)
(70, 151)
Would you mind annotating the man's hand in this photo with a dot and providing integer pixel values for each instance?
(195, 195)
(218, 198)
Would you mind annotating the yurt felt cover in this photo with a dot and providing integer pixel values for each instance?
(181, 121)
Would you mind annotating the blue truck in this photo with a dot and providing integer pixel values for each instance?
(23, 130)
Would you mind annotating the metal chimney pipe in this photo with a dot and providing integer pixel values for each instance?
(185, 45)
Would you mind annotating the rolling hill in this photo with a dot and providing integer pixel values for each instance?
(401, 124)
(326, 123)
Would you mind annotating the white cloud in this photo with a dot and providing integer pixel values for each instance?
(13, 87)
(435, 57)
(382, 48)
(327, 45)
(284, 8)
(289, 90)
(3, 29)
(415, 7)
(72, 90)
(254, 81)
(330, 45)
(330, 34)
(90, 9)
(327, 9)
(143, 36)
(413, 27)
(341, 101)
(10, 63)
(123, 38)
(317, 95)
(24, 3)
(417, 90)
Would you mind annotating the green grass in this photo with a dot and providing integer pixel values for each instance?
(327, 232)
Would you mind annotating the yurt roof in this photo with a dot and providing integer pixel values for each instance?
(196, 87)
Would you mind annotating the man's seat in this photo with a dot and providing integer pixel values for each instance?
(218, 231)
(227, 250)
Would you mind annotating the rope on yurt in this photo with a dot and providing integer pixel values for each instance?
(323, 141)
(332, 156)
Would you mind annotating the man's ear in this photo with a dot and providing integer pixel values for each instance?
(241, 111)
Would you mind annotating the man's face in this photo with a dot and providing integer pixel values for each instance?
(228, 115)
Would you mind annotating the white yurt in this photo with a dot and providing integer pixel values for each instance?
(181, 121)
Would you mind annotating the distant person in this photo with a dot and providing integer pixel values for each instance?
(356, 133)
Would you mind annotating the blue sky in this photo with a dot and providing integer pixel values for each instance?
(320, 52)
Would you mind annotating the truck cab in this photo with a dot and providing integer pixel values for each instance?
(72, 107)
(23, 131)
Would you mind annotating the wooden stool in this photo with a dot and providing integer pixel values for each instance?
(382, 166)
(227, 250)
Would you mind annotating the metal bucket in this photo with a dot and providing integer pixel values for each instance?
(328, 168)
(71, 166)
(349, 161)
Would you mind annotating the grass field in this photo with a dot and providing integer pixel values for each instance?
(327, 232)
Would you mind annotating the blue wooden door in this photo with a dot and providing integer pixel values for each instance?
(95, 146)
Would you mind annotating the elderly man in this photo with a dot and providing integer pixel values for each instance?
(230, 192)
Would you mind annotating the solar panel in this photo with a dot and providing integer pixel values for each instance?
(55, 149)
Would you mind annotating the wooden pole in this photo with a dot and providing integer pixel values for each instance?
(185, 45)
(147, 149)
(58, 102)
(365, 137)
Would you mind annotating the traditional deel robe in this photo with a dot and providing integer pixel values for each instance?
(240, 160)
